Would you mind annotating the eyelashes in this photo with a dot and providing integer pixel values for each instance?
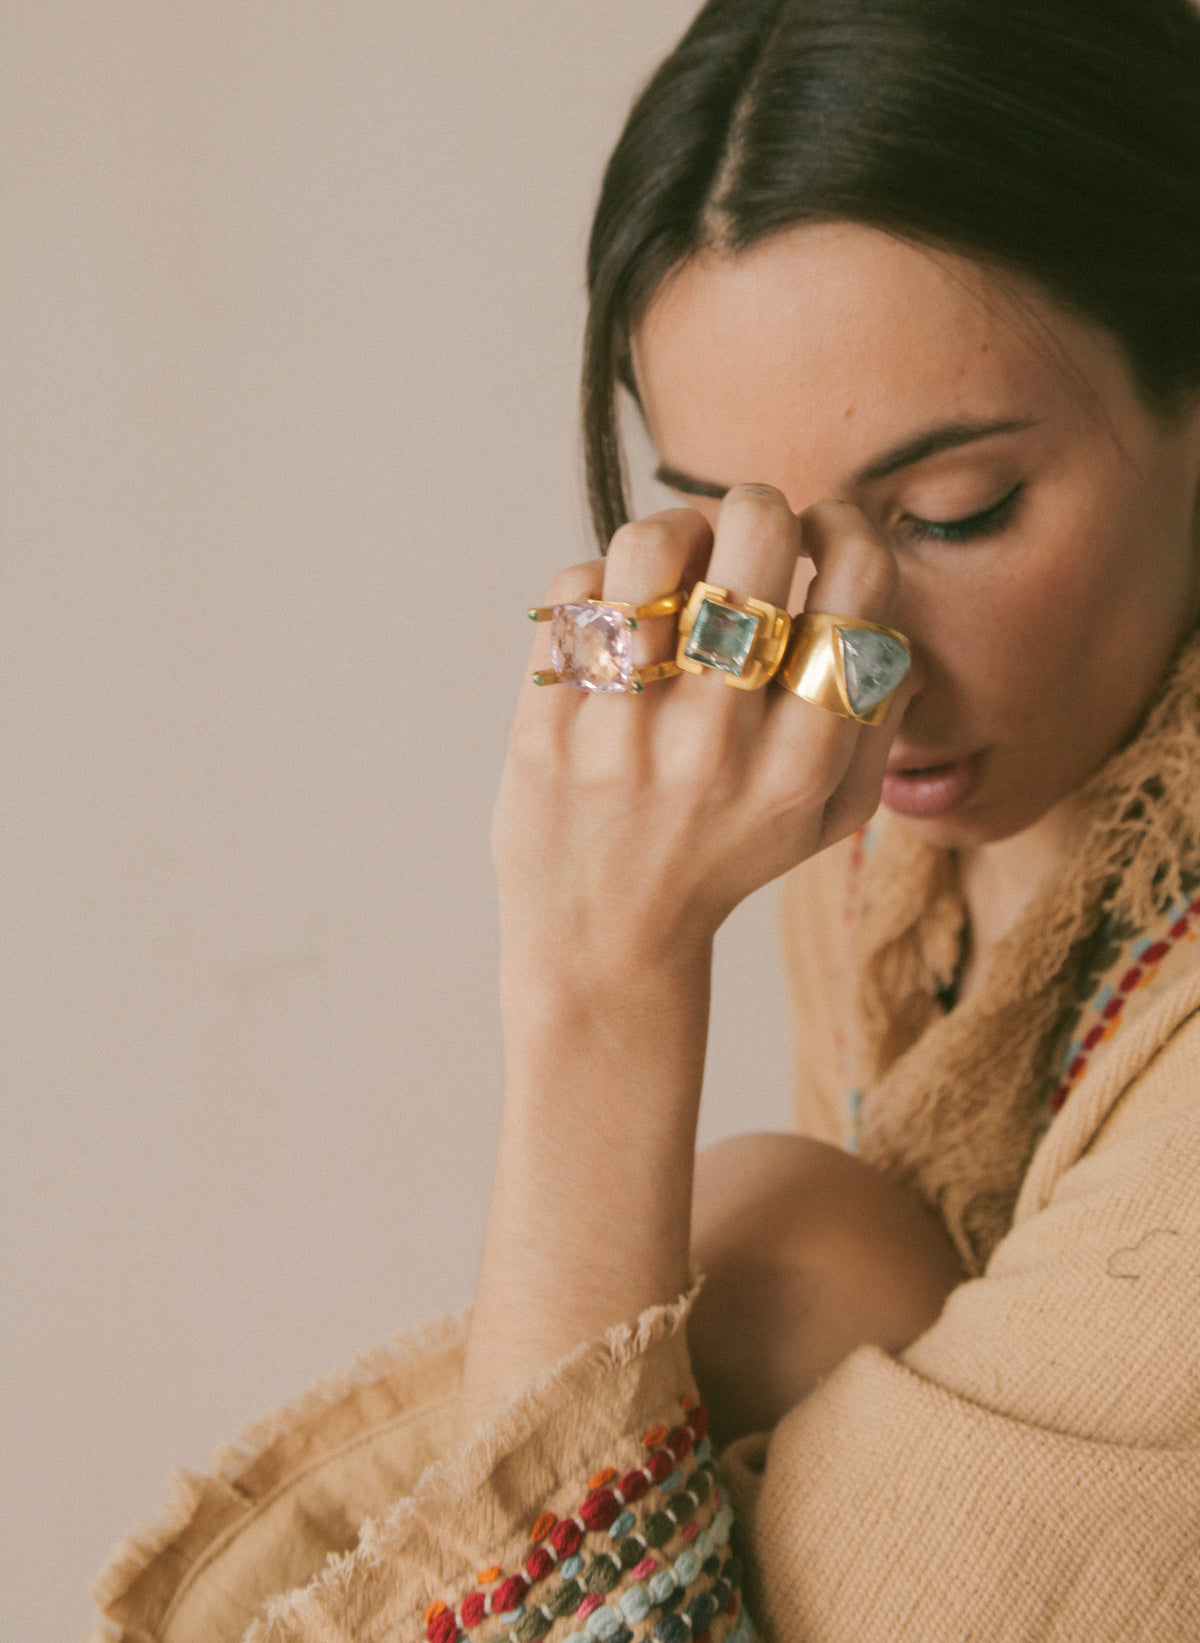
(987, 523)
(976, 525)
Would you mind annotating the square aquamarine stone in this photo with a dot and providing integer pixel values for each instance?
(721, 638)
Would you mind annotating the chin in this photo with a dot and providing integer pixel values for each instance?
(952, 832)
(974, 823)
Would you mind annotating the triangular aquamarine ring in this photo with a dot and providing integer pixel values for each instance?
(845, 665)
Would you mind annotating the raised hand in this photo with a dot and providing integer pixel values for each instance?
(627, 828)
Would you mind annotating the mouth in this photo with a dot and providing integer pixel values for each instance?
(924, 787)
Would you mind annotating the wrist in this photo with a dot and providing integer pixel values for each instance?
(559, 994)
(581, 1045)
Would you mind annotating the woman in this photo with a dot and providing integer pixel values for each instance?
(908, 294)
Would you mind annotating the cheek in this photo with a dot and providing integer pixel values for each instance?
(1071, 618)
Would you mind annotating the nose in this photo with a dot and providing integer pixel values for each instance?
(903, 616)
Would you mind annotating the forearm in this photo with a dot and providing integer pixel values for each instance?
(590, 1214)
(627, 827)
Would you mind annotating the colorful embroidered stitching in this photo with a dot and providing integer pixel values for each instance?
(1107, 1002)
(557, 1543)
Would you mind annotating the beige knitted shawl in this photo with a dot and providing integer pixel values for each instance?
(955, 1102)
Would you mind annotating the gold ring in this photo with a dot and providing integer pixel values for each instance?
(633, 614)
(591, 645)
(845, 665)
(744, 642)
(639, 678)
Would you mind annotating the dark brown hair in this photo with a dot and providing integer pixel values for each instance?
(1059, 139)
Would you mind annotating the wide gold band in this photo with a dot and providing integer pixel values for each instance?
(667, 605)
(744, 643)
(825, 665)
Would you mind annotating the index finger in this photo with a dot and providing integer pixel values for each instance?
(856, 577)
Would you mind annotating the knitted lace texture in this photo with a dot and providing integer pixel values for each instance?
(954, 1103)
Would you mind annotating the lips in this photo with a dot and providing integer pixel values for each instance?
(924, 788)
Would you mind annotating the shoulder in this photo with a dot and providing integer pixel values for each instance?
(1084, 1321)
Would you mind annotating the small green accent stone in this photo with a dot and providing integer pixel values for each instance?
(721, 638)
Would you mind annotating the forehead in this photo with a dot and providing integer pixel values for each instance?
(830, 341)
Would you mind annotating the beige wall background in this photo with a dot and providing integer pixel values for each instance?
(292, 302)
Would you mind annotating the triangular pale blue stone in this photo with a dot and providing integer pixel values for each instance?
(874, 665)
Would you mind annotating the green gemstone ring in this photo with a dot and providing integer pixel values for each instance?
(745, 642)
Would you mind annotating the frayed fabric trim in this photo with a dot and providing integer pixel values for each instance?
(384, 1541)
(224, 1493)
(953, 1102)
(202, 1507)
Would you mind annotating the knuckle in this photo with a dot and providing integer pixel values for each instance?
(641, 539)
(875, 574)
(530, 749)
(576, 582)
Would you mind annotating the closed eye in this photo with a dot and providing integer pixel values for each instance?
(987, 523)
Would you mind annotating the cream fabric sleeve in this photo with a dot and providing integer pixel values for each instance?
(588, 1508)
(1030, 1469)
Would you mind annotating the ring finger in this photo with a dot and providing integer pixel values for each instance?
(856, 576)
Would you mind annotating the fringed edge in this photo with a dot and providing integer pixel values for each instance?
(1142, 834)
(1147, 803)
(227, 1467)
(381, 1539)
(908, 941)
(960, 1113)
(405, 1351)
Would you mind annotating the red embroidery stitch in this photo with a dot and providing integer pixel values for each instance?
(598, 1511)
(1110, 1012)
(474, 1608)
(679, 1442)
(661, 1464)
(539, 1564)
(566, 1537)
(510, 1594)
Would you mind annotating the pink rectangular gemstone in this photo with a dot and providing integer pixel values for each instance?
(591, 647)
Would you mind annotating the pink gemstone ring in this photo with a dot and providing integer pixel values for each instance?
(591, 644)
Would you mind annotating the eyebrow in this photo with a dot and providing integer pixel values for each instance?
(948, 437)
